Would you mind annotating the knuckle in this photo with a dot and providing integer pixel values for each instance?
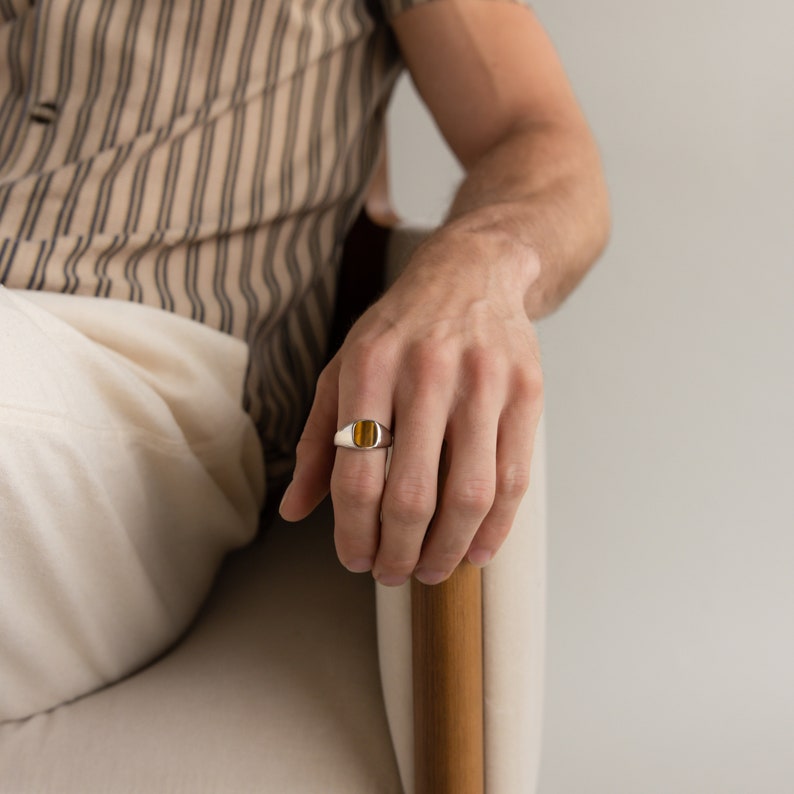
(432, 360)
(314, 434)
(354, 487)
(473, 496)
(513, 480)
(528, 384)
(411, 500)
(482, 365)
(305, 446)
(368, 362)
(327, 381)
(305, 443)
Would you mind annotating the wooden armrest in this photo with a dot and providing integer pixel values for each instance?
(447, 663)
(446, 625)
(447, 618)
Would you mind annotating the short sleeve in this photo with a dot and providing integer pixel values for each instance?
(393, 8)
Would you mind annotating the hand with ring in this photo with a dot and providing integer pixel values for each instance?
(447, 360)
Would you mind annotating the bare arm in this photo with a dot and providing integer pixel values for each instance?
(495, 86)
(449, 356)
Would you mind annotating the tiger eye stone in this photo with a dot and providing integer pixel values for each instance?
(365, 433)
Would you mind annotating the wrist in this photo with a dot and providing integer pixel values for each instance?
(495, 237)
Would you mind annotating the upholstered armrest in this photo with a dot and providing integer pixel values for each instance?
(513, 613)
(513, 646)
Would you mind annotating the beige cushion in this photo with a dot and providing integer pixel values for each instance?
(276, 688)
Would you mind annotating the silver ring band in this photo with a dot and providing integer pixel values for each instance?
(364, 434)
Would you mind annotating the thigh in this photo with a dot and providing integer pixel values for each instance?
(127, 470)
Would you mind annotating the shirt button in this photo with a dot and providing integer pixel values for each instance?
(44, 112)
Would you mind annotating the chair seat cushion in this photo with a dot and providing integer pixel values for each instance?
(275, 688)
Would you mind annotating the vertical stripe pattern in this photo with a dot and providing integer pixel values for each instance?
(205, 158)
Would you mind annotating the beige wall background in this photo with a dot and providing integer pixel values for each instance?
(670, 403)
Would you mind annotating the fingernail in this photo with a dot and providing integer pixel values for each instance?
(430, 577)
(359, 565)
(480, 557)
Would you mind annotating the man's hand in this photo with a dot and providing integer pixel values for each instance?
(447, 356)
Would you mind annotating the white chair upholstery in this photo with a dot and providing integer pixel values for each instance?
(277, 686)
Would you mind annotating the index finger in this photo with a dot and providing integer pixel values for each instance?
(315, 451)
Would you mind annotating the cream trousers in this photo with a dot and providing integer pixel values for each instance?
(127, 470)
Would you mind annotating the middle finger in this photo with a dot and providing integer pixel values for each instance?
(409, 499)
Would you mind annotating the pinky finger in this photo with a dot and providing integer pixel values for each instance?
(515, 442)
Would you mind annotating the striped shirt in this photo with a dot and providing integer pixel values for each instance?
(205, 158)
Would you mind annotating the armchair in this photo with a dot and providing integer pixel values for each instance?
(300, 677)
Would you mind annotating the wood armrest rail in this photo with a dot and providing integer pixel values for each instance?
(446, 619)
(446, 624)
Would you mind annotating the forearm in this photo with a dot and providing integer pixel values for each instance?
(541, 191)
(448, 357)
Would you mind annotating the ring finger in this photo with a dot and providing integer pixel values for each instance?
(358, 475)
